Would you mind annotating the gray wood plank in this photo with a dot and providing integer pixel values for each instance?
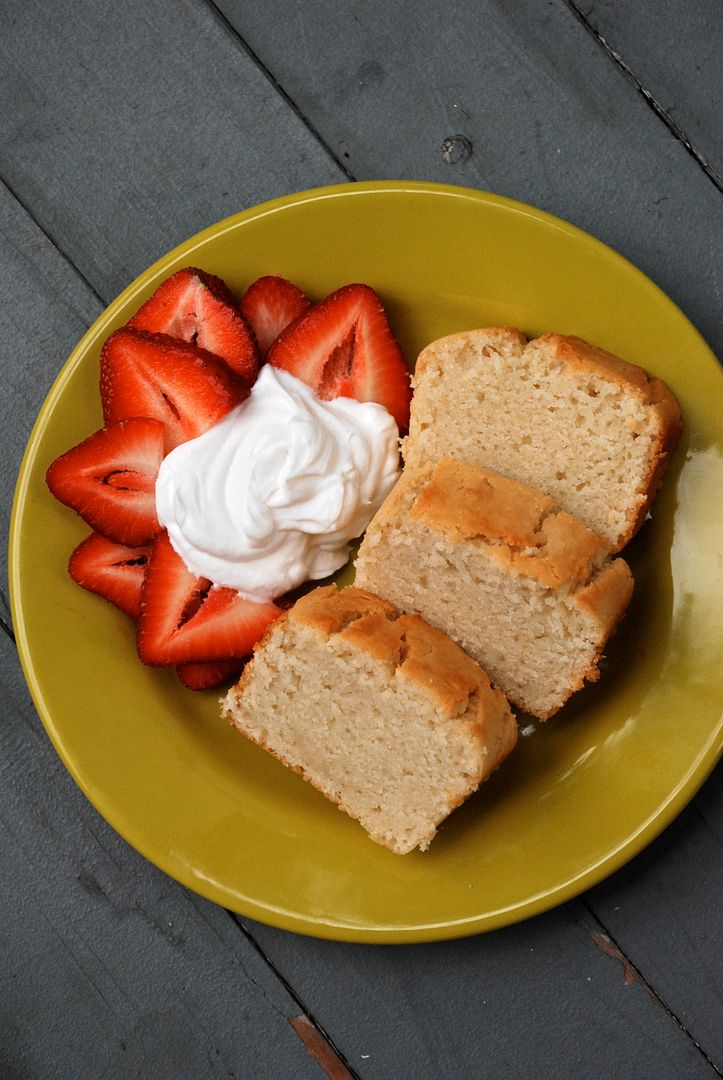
(549, 118)
(108, 968)
(537, 1000)
(664, 911)
(44, 309)
(134, 125)
(674, 50)
(656, 929)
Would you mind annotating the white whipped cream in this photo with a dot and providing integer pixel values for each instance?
(271, 495)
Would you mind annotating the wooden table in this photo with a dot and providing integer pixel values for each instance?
(127, 127)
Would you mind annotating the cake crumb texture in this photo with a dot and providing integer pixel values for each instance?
(381, 712)
(590, 430)
(524, 587)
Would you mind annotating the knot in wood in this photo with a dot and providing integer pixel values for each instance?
(456, 148)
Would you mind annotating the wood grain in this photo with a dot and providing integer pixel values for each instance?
(673, 51)
(108, 967)
(133, 126)
(539, 999)
(44, 308)
(661, 911)
(550, 120)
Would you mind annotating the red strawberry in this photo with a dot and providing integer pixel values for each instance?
(113, 571)
(344, 347)
(185, 620)
(269, 305)
(197, 307)
(206, 676)
(153, 375)
(110, 479)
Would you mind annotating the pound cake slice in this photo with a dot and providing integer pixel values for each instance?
(586, 427)
(525, 588)
(382, 713)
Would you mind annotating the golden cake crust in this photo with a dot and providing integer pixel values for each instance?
(476, 502)
(493, 520)
(522, 528)
(496, 338)
(421, 654)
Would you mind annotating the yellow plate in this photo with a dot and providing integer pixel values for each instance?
(580, 795)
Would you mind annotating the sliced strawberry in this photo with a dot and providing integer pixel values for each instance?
(197, 307)
(153, 375)
(113, 571)
(269, 305)
(344, 347)
(184, 619)
(110, 479)
(209, 675)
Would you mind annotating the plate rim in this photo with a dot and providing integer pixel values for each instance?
(607, 864)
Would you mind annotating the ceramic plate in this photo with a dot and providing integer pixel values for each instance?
(581, 794)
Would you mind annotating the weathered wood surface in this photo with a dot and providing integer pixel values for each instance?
(134, 125)
(549, 118)
(45, 308)
(634, 961)
(548, 998)
(125, 129)
(107, 967)
(664, 912)
(673, 52)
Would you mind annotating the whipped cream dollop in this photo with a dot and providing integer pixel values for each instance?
(271, 495)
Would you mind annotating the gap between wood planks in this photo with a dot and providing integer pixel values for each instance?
(646, 95)
(616, 58)
(307, 1028)
(5, 626)
(51, 239)
(608, 946)
(238, 40)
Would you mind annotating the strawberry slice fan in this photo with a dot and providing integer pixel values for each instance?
(113, 571)
(117, 573)
(206, 676)
(187, 357)
(345, 347)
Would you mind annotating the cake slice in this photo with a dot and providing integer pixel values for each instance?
(525, 588)
(382, 713)
(587, 428)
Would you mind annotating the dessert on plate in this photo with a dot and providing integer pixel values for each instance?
(247, 443)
